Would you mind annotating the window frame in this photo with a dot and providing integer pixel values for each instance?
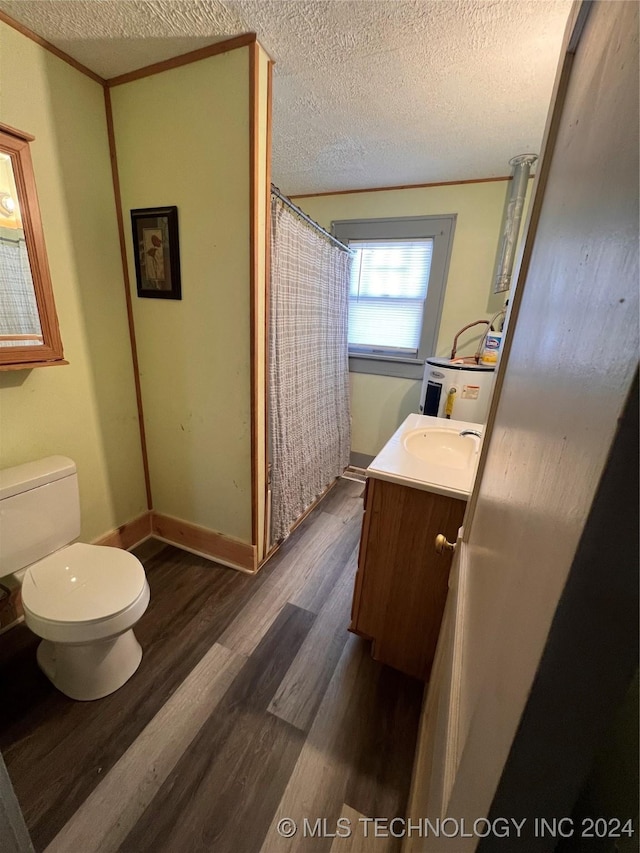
(15, 143)
(441, 230)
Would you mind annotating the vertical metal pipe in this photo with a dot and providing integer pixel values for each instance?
(511, 228)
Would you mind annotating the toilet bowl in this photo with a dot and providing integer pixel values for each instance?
(81, 600)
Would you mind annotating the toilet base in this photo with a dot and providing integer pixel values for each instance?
(87, 671)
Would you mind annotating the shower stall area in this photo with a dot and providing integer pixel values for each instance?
(309, 427)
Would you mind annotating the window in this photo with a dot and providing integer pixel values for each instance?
(396, 291)
(387, 294)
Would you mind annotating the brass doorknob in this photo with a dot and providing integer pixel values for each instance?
(442, 545)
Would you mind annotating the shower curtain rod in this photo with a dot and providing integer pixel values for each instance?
(294, 207)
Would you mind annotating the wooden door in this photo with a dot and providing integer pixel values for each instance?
(532, 579)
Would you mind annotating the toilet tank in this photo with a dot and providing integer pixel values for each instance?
(39, 511)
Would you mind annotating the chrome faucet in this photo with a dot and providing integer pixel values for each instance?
(471, 432)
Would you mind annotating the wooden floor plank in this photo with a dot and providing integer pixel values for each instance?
(229, 781)
(378, 784)
(364, 837)
(301, 691)
(111, 811)
(147, 550)
(313, 594)
(357, 751)
(319, 780)
(345, 500)
(303, 566)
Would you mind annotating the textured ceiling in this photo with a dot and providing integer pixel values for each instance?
(366, 92)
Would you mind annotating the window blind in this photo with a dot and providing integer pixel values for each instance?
(388, 288)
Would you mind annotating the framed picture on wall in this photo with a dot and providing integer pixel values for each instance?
(156, 252)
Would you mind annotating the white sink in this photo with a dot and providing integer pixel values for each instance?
(431, 454)
(439, 446)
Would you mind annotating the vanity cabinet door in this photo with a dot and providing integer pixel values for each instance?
(401, 586)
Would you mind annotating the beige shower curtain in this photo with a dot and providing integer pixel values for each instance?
(310, 424)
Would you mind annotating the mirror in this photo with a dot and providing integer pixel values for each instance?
(29, 333)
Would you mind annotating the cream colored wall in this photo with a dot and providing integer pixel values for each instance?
(182, 139)
(87, 409)
(379, 404)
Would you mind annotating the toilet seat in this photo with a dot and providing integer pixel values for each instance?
(84, 593)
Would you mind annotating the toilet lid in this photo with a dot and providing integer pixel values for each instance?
(81, 583)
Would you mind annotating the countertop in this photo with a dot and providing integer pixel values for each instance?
(396, 465)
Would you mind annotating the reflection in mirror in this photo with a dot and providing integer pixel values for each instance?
(19, 320)
(29, 333)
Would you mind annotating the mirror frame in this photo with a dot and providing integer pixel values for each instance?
(15, 143)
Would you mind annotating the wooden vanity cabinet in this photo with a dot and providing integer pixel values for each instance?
(401, 584)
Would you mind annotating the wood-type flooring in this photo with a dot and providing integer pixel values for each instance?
(252, 704)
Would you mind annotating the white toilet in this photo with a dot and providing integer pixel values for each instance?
(83, 600)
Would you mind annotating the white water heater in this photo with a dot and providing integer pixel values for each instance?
(456, 390)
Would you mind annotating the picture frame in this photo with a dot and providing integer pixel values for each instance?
(156, 252)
